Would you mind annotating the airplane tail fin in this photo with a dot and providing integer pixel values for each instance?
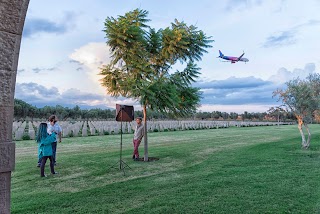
(220, 54)
(239, 58)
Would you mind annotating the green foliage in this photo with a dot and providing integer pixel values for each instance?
(83, 114)
(71, 134)
(302, 97)
(23, 110)
(26, 137)
(142, 59)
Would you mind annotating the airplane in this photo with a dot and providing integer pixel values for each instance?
(233, 59)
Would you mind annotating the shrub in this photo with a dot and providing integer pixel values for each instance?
(71, 134)
(26, 137)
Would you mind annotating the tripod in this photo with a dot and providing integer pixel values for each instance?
(122, 164)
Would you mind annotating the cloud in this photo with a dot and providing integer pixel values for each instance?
(230, 95)
(38, 70)
(21, 70)
(236, 94)
(35, 26)
(75, 61)
(237, 91)
(232, 83)
(76, 96)
(39, 95)
(91, 57)
(32, 92)
(310, 23)
(284, 75)
(288, 37)
(242, 4)
(282, 39)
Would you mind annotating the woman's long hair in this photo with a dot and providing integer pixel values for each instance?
(42, 132)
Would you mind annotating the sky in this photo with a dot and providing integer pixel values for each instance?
(63, 48)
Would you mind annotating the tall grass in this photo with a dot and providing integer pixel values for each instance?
(234, 170)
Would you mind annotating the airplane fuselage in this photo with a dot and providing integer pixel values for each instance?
(233, 59)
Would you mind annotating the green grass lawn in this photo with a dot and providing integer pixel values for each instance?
(234, 170)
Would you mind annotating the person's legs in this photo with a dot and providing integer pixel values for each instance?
(43, 164)
(133, 155)
(54, 151)
(136, 147)
(52, 165)
(39, 162)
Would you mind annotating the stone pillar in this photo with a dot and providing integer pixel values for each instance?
(12, 16)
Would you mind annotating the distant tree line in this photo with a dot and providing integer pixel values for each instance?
(23, 110)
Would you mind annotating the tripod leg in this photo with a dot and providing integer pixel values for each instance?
(124, 164)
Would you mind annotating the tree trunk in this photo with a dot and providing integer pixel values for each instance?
(309, 136)
(300, 124)
(145, 138)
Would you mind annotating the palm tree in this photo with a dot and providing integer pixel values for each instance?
(142, 59)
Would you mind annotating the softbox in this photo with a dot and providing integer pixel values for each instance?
(124, 113)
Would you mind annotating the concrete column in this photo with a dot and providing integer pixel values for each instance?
(12, 16)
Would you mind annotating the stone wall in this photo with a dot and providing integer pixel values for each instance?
(12, 16)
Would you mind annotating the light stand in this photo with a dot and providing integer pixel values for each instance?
(128, 116)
